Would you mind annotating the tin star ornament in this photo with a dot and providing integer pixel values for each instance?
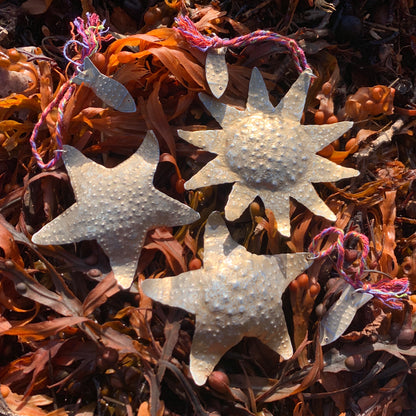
(266, 152)
(116, 207)
(235, 294)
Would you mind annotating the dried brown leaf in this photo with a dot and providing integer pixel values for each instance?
(163, 240)
(112, 336)
(30, 370)
(100, 294)
(30, 407)
(41, 330)
(29, 287)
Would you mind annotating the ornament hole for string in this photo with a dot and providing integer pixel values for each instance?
(311, 256)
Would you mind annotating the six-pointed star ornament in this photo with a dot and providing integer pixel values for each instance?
(266, 152)
(235, 294)
(116, 207)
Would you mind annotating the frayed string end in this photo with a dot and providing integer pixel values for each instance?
(390, 292)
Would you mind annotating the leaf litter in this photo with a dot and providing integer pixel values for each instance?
(73, 343)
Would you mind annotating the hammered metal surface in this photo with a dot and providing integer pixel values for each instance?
(235, 294)
(116, 207)
(340, 315)
(266, 152)
(216, 71)
(107, 89)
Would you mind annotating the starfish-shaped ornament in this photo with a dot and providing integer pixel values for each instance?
(266, 152)
(235, 294)
(116, 207)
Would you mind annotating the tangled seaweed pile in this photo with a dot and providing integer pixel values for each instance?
(73, 342)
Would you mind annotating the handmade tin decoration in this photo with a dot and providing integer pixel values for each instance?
(235, 294)
(116, 207)
(109, 90)
(216, 71)
(340, 315)
(266, 152)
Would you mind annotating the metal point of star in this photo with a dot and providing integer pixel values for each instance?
(116, 207)
(235, 294)
(266, 152)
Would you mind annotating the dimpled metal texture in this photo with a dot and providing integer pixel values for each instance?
(116, 207)
(216, 71)
(266, 152)
(235, 294)
(340, 315)
(107, 89)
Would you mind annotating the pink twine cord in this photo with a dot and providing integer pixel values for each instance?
(189, 31)
(91, 35)
(388, 291)
(61, 99)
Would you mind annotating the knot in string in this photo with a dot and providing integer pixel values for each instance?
(189, 31)
(388, 291)
(91, 34)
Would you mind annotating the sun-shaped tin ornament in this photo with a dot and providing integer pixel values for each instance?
(266, 152)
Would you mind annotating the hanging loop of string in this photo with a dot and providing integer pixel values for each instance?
(189, 31)
(388, 291)
(91, 34)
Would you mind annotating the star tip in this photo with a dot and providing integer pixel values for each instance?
(284, 231)
(195, 216)
(256, 80)
(36, 240)
(151, 133)
(324, 340)
(217, 91)
(205, 98)
(215, 219)
(199, 377)
(286, 355)
(188, 186)
(150, 136)
(150, 289)
(309, 72)
(146, 287)
(255, 71)
(331, 217)
(124, 282)
(232, 214)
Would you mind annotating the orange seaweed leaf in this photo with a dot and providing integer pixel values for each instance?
(157, 119)
(183, 66)
(21, 101)
(388, 261)
(9, 247)
(163, 240)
